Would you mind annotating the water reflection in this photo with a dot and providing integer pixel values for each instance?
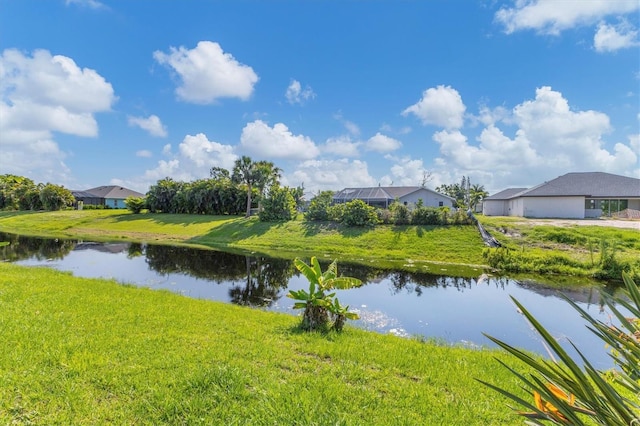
(453, 309)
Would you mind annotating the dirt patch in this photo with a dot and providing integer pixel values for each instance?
(613, 223)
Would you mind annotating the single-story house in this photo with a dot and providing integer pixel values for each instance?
(384, 196)
(111, 196)
(570, 196)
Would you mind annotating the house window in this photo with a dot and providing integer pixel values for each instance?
(440, 203)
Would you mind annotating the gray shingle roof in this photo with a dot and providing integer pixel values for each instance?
(380, 193)
(506, 194)
(590, 184)
(113, 191)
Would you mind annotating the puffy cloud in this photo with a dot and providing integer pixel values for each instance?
(342, 146)
(276, 142)
(382, 143)
(320, 175)
(550, 140)
(207, 73)
(610, 38)
(205, 154)
(405, 171)
(553, 16)
(441, 106)
(194, 159)
(151, 124)
(296, 95)
(42, 94)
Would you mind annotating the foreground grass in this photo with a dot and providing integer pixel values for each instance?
(87, 351)
(412, 247)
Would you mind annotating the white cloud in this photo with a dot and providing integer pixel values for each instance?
(554, 16)
(342, 146)
(194, 159)
(551, 139)
(40, 95)
(144, 153)
(610, 38)
(405, 171)
(382, 143)
(92, 4)
(441, 106)
(207, 73)
(351, 127)
(276, 142)
(204, 153)
(320, 175)
(295, 94)
(151, 124)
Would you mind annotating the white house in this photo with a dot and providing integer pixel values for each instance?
(571, 196)
(384, 196)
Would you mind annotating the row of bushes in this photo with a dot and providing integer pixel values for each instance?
(358, 213)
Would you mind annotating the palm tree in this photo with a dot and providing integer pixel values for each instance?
(477, 193)
(258, 174)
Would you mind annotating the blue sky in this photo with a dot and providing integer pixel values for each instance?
(335, 93)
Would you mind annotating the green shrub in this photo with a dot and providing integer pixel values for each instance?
(401, 214)
(426, 216)
(319, 206)
(359, 213)
(385, 216)
(135, 204)
(279, 206)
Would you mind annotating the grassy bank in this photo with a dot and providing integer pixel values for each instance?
(422, 248)
(602, 252)
(530, 248)
(87, 351)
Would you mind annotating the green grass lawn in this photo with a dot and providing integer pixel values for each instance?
(89, 351)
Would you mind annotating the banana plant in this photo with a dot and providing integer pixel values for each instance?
(318, 302)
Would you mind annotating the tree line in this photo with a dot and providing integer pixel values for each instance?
(21, 193)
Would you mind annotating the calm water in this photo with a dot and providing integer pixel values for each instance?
(452, 309)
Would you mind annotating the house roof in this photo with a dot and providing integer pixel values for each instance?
(505, 194)
(587, 184)
(381, 193)
(114, 192)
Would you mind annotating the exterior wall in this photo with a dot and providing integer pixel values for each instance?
(634, 204)
(494, 208)
(592, 213)
(515, 207)
(429, 199)
(556, 207)
(115, 203)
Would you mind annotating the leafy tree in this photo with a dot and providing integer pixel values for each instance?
(56, 197)
(298, 195)
(19, 193)
(279, 206)
(319, 206)
(219, 173)
(160, 197)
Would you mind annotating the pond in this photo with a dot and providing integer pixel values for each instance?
(449, 309)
